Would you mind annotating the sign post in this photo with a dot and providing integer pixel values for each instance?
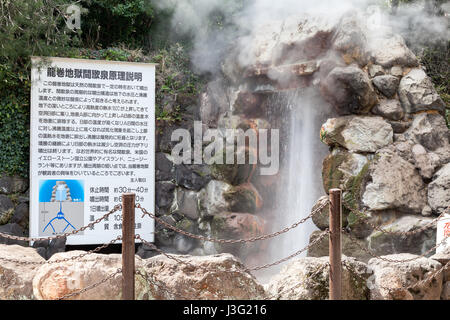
(128, 205)
(92, 140)
(335, 247)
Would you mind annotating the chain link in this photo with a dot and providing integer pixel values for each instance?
(391, 291)
(92, 286)
(320, 269)
(253, 239)
(352, 270)
(116, 208)
(245, 269)
(429, 277)
(361, 216)
(309, 246)
(180, 261)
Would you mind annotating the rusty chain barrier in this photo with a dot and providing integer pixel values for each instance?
(334, 266)
(92, 286)
(120, 271)
(74, 258)
(245, 269)
(230, 241)
(63, 235)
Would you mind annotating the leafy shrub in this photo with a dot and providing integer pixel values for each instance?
(109, 22)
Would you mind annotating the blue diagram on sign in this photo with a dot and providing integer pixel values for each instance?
(61, 195)
(61, 205)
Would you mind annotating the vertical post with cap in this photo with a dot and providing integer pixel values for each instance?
(128, 205)
(335, 244)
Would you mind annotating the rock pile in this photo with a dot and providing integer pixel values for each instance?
(24, 274)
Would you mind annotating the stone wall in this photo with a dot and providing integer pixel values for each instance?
(389, 143)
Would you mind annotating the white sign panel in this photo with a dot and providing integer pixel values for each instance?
(443, 232)
(92, 139)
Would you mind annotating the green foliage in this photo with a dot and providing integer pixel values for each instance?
(436, 58)
(110, 22)
(27, 28)
(30, 28)
(177, 86)
(14, 122)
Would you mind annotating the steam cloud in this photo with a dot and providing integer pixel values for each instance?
(241, 19)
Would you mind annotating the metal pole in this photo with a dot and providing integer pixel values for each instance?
(335, 245)
(128, 205)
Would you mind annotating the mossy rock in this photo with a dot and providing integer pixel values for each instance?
(244, 198)
(235, 172)
(344, 170)
(186, 224)
(6, 209)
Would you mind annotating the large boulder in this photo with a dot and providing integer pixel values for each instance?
(13, 184)
(185, 203)
(386, 84)
(232, 225)
(341, 169)
(383, 243)
(357, 133)
(213, 102)
(164, 167)
(390, 109)
(219, 196)
(244, 198)
(236, 170)
(431, 131)
(350, 39)
(391, 279)
(439, 190)
(394, 184)
(417, 93)
(12, 229)
(351, 246)
(217, 277)
(349, 90)
(443, 257)
(21, 215)
(18, 266)
(56, 280)
(192, 176)
(389, 51)
(6, 209)
(164, 194)
(276, 43)
(212, 199)
(425, 162)
(308, 279)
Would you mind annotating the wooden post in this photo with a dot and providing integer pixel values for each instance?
(335, 245)
(128, 205)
